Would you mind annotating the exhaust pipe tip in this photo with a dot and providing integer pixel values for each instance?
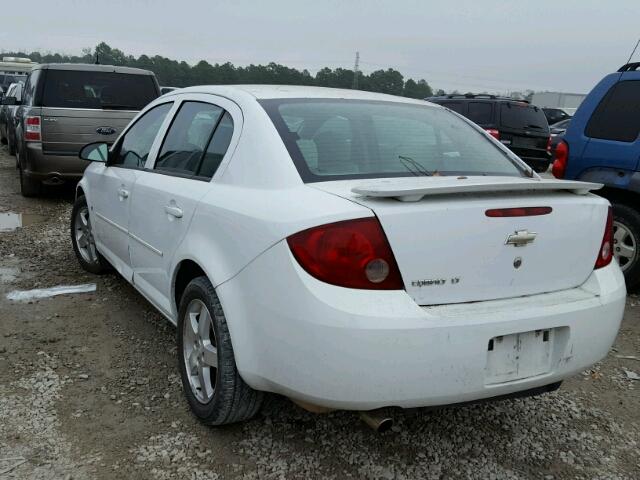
(378, 422)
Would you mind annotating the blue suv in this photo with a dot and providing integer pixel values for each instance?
(602, 144)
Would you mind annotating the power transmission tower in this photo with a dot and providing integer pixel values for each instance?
(356, 72)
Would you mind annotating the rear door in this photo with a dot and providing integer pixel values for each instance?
(111, 186)
(80, 107)
(167, 193)
(614, 127)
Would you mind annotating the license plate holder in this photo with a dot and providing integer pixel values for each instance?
(518, 356)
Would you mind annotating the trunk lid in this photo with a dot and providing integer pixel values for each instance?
(66, 130)
(449, 251)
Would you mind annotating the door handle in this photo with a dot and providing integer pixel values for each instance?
(122, 193)
(173, 211)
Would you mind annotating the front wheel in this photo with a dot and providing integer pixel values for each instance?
(212, 385)
(626, 238)
(83, 241)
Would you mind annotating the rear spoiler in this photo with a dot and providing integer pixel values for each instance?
(413, 189)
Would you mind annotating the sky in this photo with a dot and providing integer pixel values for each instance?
(482, 45)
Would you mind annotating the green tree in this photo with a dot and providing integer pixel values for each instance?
(421, 89)
(180, 74)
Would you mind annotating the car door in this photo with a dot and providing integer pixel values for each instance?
(167, 194)
(614, 127)
(111, 186)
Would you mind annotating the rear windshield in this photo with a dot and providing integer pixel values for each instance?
(97, 90)
(338, 139)
(522, 116)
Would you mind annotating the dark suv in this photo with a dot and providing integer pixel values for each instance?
(65, 106)
(521, 127)
(602, 144)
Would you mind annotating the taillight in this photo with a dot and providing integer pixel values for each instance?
(549, 145)
(352, 254)
(606, 249)
(561, 159)
(32, 130)
(493, 132)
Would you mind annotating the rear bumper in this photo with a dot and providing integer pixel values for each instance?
(359, 349)
(50, 168)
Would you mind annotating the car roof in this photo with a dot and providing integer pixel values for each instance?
(462, 98)
(90, 67)
(264, 92)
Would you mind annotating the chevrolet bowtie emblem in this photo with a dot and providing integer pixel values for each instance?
(520, 238)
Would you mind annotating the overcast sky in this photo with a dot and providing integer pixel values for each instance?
(565, 45)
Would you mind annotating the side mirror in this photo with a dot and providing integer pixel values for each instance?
(10, 101)
(95, 152)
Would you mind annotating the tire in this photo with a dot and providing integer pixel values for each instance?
(28, 186)
(227, 399)
(10, 145)
(626, 220)
(87, 253)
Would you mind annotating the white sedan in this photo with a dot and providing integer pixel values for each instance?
(349, 250)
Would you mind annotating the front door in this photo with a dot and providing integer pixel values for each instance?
(111, 187)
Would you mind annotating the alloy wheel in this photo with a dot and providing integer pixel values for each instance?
(84, 236)
(200, 351)
(625, 246)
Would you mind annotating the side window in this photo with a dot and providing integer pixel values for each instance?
(617, 117)
(28, 91)
(480, 112)
(187, 138)
(457, 107)
(136, 144)
(217, 147)
(29, 94)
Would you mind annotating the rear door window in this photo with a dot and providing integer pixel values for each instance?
(97, 90)
(217, 147)
(617, 117)
(522, 116)
(457, 107)
(187, 138)
(480, 112)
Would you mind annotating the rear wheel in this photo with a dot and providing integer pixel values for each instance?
(626, 238)
(10, 145)
(28, 186)
(212, 385)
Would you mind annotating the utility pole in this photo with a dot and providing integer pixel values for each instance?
(356, 72)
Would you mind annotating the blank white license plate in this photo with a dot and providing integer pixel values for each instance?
(518, 356)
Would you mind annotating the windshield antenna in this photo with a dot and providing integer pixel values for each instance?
(634, 51)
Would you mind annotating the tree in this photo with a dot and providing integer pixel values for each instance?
(421, 89)
(180, 74)
(384, 81)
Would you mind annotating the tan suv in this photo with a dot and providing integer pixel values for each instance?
(65, 106)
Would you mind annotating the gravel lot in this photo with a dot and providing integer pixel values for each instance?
(89, 390)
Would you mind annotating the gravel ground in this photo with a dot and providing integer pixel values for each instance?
(89, 390)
